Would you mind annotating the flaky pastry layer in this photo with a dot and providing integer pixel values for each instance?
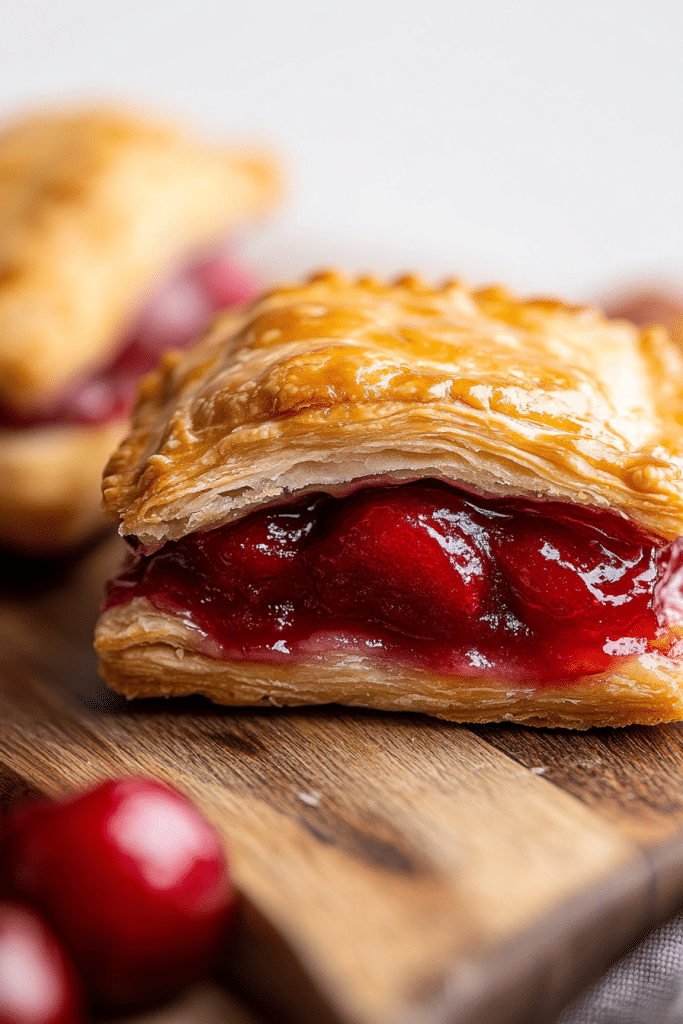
(50, 485)
(95, 206)
(337, 383)
(147, 653)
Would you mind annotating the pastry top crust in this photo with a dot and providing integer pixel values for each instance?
(335, 382)
(95, 205)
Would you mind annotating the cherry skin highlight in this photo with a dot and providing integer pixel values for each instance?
(132, 879)
(38, 984)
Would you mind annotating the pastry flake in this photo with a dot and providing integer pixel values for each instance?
(511, 435)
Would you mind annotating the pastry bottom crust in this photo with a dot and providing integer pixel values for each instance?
(50, 496)
(147, 653)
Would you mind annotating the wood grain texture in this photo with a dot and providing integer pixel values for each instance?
(394, 867)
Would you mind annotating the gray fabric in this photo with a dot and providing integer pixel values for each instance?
(644, 987)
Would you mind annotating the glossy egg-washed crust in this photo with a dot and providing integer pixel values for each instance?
(95, 205)
(336, 383)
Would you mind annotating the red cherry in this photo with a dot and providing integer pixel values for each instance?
(134, 882)
(562, 574)
(38, 985)
(406, 559)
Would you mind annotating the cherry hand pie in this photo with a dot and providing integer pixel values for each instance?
(411, 498)
(112, 230)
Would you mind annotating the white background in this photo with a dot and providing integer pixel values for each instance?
(538, 142)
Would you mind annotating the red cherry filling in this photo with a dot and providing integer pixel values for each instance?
(131, 878)
(173, 318)
(37, 983)
(513, 590)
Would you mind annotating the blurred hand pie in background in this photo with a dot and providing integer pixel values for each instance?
(114, 235)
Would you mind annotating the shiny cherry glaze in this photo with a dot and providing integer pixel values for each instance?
(38, 985)
(420, 572)
(172, 319)
(132, 879)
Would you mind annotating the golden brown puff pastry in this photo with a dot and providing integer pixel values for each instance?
(345, 404)
(96, 206)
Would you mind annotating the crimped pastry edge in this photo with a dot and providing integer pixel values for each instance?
(147, 653)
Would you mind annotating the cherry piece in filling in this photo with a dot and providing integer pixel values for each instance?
(260, 559)
(38, 985)
(579, 581)
(523, 592)
(404, 559)
(132, 879)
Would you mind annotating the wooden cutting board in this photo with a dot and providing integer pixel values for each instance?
(395, 868)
